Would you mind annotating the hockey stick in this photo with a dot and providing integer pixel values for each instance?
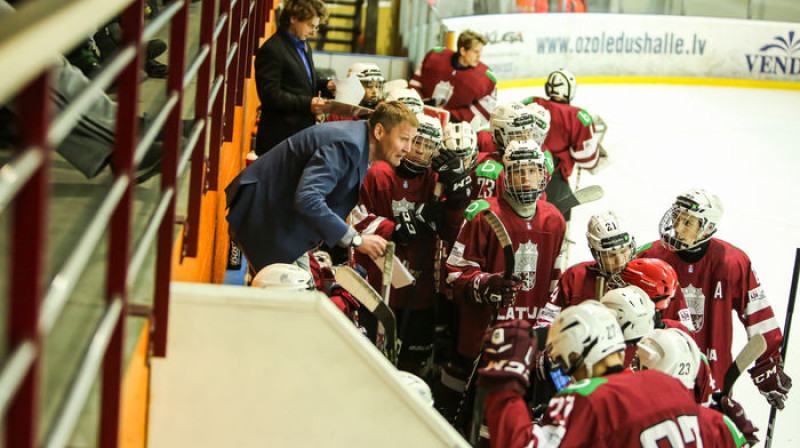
(388, 270)
(372, 301)
(582, 196)
(786, 327)
(468, 398)
(751, 351)
(412, 296)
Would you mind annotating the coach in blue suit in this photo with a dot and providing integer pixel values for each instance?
(300, 192)
(286, 81)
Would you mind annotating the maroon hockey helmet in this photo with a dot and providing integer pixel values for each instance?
(656, 277)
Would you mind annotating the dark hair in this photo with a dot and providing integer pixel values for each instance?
(468, 38)
(302, 10)
(390, 114)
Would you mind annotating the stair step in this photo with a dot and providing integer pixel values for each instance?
(343, 29)
(342, 16)
(339, 41)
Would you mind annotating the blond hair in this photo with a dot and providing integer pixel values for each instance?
(468, 39)
(390, 114)
(303, 11)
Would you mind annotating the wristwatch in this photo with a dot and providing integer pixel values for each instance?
(356, 241)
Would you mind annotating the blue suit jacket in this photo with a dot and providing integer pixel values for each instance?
(299, 193)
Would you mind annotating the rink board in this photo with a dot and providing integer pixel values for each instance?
(248, 367)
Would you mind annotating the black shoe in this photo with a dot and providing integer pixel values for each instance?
(155, 48)
(155, 69)
(150, 164)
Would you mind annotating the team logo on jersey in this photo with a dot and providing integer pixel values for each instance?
(401, 206)
(697, 305)
(525, 259)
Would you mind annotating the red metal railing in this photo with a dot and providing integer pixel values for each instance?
(230, 33)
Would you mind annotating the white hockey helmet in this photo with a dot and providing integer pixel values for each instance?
(509, 122)
(541, 121)
(560, 86)
(527, 170)
(284, 276)
(367, 72)
(425, 145)
(583, 335)
(691, 220)
(671, 351)
(416, 386)
(462, 140)
(634, 311)
(610, 243)
(409, 97)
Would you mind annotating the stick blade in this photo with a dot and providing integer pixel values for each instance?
(358, 287)
(754, 348)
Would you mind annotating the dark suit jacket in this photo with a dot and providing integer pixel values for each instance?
(299, 193)
(284, 89)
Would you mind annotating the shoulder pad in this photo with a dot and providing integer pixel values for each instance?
(489, 168)
(584, 387)
(475, 208)
(704, 359)
(436, 49)
(738, 438)
(585, 117)
(491, 76)
(644, 248)
(527, 100)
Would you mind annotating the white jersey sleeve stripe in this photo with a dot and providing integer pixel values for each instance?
(373, 226)
(755, 306)
(762, 327)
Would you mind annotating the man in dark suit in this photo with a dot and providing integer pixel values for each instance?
(287, 84)
(300, 193)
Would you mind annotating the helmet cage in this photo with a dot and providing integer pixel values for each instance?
(526, 173)
(462, 140)
(682, 211)
(424, 146)
(561, 83)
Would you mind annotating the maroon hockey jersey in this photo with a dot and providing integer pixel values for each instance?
(623, 410)
(537, 244)
(384, 194)
(571, 137)
(473, 91)
(723, 280)
(488, 176)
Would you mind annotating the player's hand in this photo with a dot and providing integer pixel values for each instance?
(449, 166)
(772, 382)
(495, 289)
(318, 105)
(458, 192)
(734, 411)
(373, 246)
(405, 228)
(430, 215)
(508, 349)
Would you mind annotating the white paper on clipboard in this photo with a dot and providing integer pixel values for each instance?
(401, 277)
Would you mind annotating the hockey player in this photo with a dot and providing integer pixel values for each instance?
(606, 405)
(675, 353)
(399, 205)
(571, 139)
(612, 247)
(510, 122)
(458, 81)
(717, 278)
(372, 80)
(476, 261)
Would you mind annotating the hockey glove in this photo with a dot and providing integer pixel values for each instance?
(771, 381)
(734, 411)
(457, 193)
(508, 349)
(430, 215)
(496, 290)
(405, 228)
(449, 166)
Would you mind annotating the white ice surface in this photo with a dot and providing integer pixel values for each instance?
(743, 145)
